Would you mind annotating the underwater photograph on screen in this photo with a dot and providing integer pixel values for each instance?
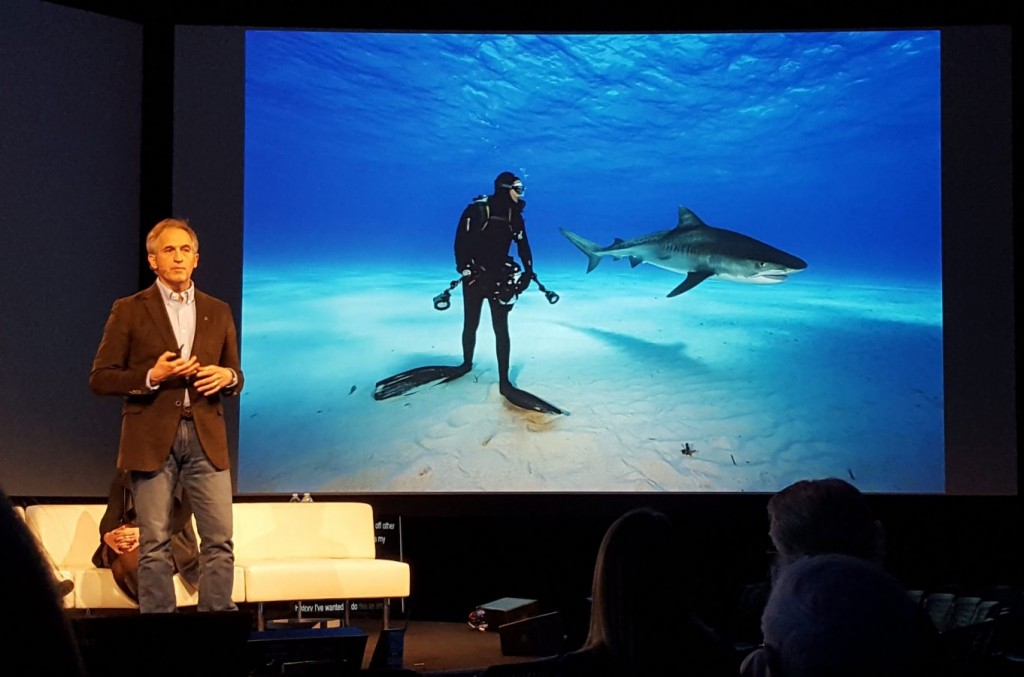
(735, 241)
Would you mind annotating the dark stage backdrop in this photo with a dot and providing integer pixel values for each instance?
(80, 112)
(69, 185)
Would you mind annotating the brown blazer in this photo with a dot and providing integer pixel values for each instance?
(138, 331)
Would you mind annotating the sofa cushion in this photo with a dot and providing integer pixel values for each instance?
(305, 551)
(70, 534)
(309, 579)
(303, 531)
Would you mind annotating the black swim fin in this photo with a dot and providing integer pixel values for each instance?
(399, 384)
(526, 400)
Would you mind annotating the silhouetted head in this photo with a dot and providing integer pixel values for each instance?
(638, 594)
(813, 517)
(842, 616)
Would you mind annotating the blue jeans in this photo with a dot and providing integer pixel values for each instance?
(209, 490)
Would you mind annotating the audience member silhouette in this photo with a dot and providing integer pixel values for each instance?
(812, 517)
(39, 640)
(842, 616)
(62, 586)
(642, 620)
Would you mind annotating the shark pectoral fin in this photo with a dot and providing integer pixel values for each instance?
(691, 281)
(635, 261)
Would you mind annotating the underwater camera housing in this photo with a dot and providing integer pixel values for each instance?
(506, 292)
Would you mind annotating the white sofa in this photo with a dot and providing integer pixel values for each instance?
(293, 552)
(313, 551)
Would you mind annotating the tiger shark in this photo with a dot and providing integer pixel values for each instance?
(699, 250)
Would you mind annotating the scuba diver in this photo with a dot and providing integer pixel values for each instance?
(486, 230)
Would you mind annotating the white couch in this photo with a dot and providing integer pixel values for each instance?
(313, 551)
(291, 552)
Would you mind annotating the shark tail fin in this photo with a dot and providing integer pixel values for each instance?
(585, 246)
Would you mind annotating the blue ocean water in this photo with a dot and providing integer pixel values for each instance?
(363, 148)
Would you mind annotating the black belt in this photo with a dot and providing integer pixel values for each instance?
(186, 413)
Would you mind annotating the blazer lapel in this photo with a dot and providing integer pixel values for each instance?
(158, 313)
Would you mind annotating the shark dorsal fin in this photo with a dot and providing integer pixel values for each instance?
(688, 220)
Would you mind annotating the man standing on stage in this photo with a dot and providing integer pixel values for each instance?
(171, 352)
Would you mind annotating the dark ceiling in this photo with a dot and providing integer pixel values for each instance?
(459, 16)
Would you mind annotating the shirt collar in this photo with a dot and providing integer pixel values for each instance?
(170, 295)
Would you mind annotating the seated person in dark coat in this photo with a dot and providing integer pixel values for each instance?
(119, 538)
(843, 616)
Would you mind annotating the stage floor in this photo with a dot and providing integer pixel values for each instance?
(431, 648)
(440, 648)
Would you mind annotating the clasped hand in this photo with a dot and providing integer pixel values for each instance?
(123, 539)
(206, 379)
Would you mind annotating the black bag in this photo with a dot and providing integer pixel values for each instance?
(389, 651)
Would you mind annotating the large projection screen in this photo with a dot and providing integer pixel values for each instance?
(363, 148)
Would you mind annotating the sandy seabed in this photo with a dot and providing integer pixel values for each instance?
(726, 388)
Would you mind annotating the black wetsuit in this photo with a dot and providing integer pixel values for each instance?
(486, 230)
